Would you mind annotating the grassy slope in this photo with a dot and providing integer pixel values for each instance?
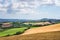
(12, 31)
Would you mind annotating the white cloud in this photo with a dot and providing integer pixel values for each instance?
(25, 6)
(57, 2)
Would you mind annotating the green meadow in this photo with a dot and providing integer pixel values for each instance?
(12, 31)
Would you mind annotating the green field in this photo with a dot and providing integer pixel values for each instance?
(12, 31)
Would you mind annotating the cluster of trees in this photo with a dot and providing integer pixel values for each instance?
(16, 25)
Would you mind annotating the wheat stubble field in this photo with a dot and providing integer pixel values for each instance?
(51, 32)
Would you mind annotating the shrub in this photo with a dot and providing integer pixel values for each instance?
(25, 29)
(7, 35)
(17, 33)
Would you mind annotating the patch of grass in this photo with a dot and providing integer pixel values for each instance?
(12, 31)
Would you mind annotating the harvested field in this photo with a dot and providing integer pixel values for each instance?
(51, 32)
(50, 28)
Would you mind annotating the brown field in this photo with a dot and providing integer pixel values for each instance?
(39, 23)
(50, 28)
(51, 32)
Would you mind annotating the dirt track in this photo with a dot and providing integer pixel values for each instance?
(55, 27)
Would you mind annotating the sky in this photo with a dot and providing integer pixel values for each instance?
(29, 9)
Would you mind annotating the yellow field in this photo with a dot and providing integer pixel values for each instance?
(51, 32)
(50, 28)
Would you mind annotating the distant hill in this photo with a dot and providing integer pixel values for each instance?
(26, 20)
(50, 20)
(12, 20)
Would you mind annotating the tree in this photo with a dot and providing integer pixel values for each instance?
(29, 26)
(16, 24)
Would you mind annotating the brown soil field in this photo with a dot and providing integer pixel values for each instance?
(50, 28)
(51, 32)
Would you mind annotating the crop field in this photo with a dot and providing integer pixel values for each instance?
(38, 36)
(38, 23)
(12, 31)
(41, 36)
(51, 32)
(50, 28)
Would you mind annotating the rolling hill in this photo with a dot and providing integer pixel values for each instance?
(51, 32)
(27, 20)
(55, 27)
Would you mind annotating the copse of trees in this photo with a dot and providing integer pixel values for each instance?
(15, 24)
(18, 24)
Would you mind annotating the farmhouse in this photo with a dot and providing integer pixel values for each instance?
(4, 25)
